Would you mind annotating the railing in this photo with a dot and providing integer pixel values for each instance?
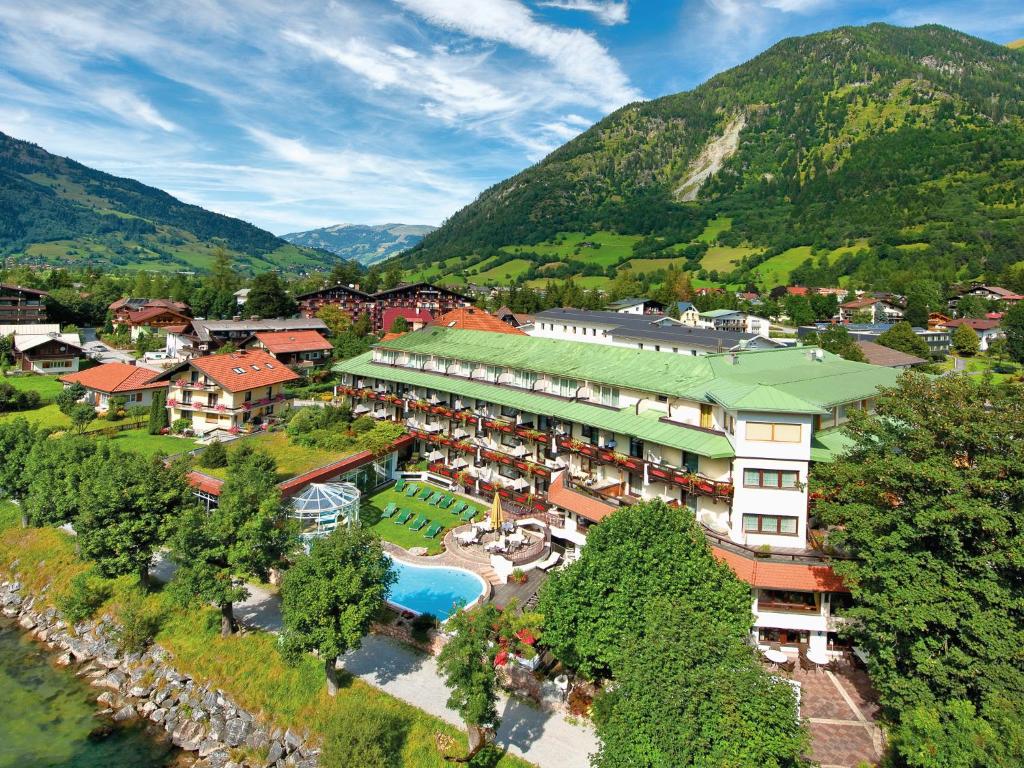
(805, 556)
(532, 551)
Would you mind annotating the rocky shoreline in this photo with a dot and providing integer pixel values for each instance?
(143, 686)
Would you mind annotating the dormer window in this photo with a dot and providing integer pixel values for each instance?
(238, 370)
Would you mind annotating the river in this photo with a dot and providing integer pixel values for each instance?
(47, 716)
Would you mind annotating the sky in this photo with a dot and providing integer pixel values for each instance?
(295, 115)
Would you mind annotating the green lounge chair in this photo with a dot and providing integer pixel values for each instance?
(403, 517)
(445, 502)
(419, 522)
(468, 514)
(433, 500)
(427, 493)
(389, 510)
(459, 506)
(399, 484)
(411, 490)
(433, 530)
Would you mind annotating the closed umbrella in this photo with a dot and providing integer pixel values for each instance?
(497, 518)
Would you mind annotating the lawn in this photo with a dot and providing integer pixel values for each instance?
(714, 228)
(725, 258)
(504, 273)
(401, 535)
(775, 271)
(141, 442)
(613, 247)
(249, 668)
(292, 459)
(50, 416)
(978, 366)
(47, 386)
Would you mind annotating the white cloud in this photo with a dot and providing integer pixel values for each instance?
(606, 11)
(796, 6)
(573, 54)
(133, 108)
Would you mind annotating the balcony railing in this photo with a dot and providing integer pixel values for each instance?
(808, 556)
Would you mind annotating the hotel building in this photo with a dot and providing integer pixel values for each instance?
(571, 431)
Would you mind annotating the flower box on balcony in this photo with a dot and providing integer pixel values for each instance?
(246, 406)
(723, 489)
(505, 493)
(486, 487)
(221, 408)
(181, 383)
(522, 466)
(172, 402)
(541, 471)
(629, 462)
(702, 485)
(608, 456)
(661, 474)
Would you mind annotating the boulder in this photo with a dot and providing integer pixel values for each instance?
(126, 712)
(236, 731)
(274, 753)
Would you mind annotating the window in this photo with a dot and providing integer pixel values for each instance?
(494, 372)
(417, 361)
(730, 424)
(509, 412)
(771, 478)
(636, 448)
(764, 431)
(524, 379)
(543, 423)
(636, 484)
(707, 415)
(609, 396)
(589, 433)
(441, 364)
(238, 370)
(786, 600)
(567, 387)
(776, 525)
(507, 471)
(388, 356)
(509, 441)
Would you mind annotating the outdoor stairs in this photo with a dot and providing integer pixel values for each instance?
(489, 576)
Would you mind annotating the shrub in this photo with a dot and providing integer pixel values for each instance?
(363, 424)
(421, 627)
(363, 735)
(180, 425)
(215, 456)
(115, 409)
(138, 621)
(68, 396)
(12, 399)
(85, 594)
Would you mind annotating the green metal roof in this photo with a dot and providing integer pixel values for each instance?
(784, 379)
(829, 444)
(713, 313)
(626, 421)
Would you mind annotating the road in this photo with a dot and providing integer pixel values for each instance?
(103, 353)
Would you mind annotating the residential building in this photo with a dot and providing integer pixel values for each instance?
(736, 321)
(348, 298)
(199, 337)
(242, 296)
(878, 310)
(636, 306)
(515, 319)
(937, 339)
(414, 318)
(475, 319)
(304, 349)
(20, 305)
(688, 314)
(134, 384)
(1004, 296)
(428, 299)
(230, 392)
(29, 329)
(567, 432)
(876, 354)
(659, 333)
(987, 329)
(47, 352)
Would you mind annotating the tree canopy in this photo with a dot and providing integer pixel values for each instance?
(902, 337)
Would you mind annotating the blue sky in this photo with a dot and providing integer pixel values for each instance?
(301, 114)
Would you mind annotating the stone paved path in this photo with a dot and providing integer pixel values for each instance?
(543, 738)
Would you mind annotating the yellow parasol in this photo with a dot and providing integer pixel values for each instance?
(496, 516)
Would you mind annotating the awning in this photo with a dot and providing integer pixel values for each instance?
(435, 456)
(519, 483)
(360, 409)
(459, 463)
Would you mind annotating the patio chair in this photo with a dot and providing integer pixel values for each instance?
(411, 490)
(445, 502)
(433, 530)
(434, 499)
(426, 494)
(403, 517)
(419, 522)
(399, 484)
(458, 507)
(468, 514)
(389, 510)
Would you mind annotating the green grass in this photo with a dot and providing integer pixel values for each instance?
(714, 228)
(775, 271)
(50, 416)
(249, 667)
(47, 386)
(292, 459)
(982, 364)
(401, 535)
(613, 247)
(504, 273)
(141, 442)
(646, 266)
(725, 258)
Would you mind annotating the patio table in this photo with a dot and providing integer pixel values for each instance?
(776, 657)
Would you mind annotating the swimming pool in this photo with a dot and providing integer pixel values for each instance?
(434, 589)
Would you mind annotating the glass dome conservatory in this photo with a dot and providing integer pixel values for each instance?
(322, 506)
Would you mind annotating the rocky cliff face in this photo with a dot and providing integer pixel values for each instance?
(144, 686)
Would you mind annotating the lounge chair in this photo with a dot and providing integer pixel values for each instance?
(459, 506)
(433, 530)
(419, 522)
(427, 493)
(553, 558)
(445, 502)
(389, 510)
(403, 517)
(399, 484)
(432, 501)
(468, 514)
(411, 490)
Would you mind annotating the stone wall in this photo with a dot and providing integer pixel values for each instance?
(196, 718)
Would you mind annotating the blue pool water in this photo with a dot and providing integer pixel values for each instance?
(434, 589)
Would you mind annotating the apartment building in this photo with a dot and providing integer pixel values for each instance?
(231, 392)
(20, 305)
(573, 430)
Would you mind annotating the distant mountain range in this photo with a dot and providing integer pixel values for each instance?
(875, 154)
(55, 211)
(365, 243)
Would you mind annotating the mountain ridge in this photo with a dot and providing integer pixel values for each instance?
(872, 136)
(57, 211)
(366, 243)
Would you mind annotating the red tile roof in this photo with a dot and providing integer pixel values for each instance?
(389, 336)
(239, 371)
(797, 290)
(411, 314)
(773, 575)
(1003, 293)
(115, 377)
(293, 341)
(142, 315)
(577, 502)
(864, 301)
(977, 323)
(474, 319)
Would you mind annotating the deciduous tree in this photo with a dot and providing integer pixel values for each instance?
(268, 297)
(330, 596)
(55, 468)
(902, 337)
(69, 396)
(965, 340)
(1013, 326)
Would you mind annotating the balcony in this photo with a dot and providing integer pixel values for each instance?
(196, 385)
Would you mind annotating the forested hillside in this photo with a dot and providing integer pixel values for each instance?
(867, 154)
(54, 210)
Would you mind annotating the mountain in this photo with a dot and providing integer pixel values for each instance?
(869, 154)
(1016, 43)
(54, 210)
(365, 243)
